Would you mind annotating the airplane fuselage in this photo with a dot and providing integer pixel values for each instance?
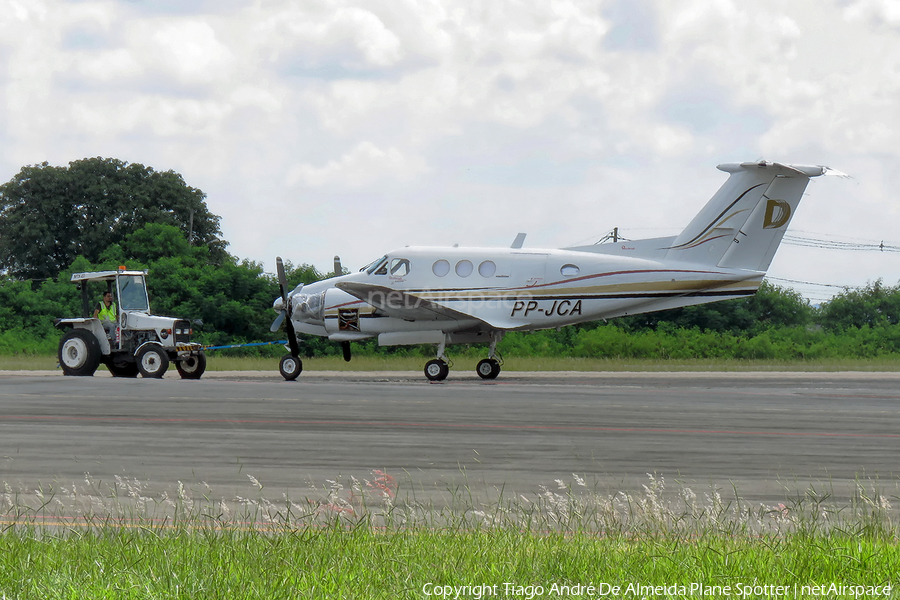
(508, 289)
(428, 295)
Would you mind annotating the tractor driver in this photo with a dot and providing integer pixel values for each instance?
(106, 312)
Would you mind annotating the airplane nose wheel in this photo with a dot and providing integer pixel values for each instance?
(488, 368)
(436, 370)
(290, 367)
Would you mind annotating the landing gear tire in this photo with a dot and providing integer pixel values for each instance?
(79, 353)
(152, 361)
(122, 369)
(192, 366)
(436, 370)
(488, 368)
(290, 367)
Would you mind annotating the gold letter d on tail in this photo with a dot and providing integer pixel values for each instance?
(777, 214)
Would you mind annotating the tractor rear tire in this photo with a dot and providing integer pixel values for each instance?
(121, 368)
(79, 353)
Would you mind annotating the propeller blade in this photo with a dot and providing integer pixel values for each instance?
(288, 325)
(338, 269)
(345, 346)
(282, 279)
(276, 324)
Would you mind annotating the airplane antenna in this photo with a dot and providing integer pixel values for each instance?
(613, 236)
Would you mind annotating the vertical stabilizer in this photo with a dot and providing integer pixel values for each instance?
(743, 223)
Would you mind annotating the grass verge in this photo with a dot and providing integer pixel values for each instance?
(365, 542)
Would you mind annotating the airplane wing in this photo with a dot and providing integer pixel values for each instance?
(402, 305)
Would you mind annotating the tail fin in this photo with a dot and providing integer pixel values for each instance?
(743, 223)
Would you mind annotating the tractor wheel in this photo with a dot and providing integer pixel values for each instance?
(191, 367)
(119, 368)
(79, 353)
(152, 361)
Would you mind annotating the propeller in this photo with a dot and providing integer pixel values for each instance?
(285, 310)
(338, 269)
(276, 324)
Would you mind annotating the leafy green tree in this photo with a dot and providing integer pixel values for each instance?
(875, 305)
(49, 215)
(231, 300)
(770, 306)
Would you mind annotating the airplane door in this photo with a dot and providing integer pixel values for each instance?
(529, 269)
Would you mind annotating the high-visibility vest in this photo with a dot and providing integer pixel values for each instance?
(108, 314)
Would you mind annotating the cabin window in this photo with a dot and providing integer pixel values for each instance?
(464, 268)
(440, 268)
(374, 266)
(569, 270)
(400, 267)
(487, 268)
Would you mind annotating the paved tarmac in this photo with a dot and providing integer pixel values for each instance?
(766, 434)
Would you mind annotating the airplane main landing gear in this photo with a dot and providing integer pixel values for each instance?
(488, 368)
(437, 369)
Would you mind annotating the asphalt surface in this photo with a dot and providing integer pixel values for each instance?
(765, 434)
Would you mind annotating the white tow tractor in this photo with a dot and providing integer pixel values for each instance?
(137, 342)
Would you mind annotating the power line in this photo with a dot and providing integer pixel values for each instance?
(831, 285)
(809, 242)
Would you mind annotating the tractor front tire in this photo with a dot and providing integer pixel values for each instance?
(191, 367)
(152, 361)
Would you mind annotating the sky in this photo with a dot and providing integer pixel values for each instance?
(350, 127)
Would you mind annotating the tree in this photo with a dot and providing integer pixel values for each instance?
(875, 305)
(770, 306)
(50, 215)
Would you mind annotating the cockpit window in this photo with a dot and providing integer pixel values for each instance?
(133, 293)
(374, 266)
(400, 267)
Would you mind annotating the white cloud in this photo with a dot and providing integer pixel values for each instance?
(562, 118)
(364, 164)
(187, 50)
(875, 11)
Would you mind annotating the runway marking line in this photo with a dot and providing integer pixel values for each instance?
(401, 424)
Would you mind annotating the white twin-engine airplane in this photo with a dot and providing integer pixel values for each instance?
(435, 295)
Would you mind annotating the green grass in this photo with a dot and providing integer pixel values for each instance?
(220, 362)
(367, 542)
(363, 563)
